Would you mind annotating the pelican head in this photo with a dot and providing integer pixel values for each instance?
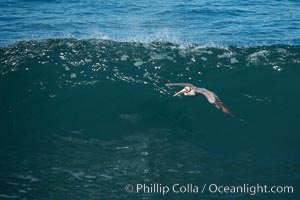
(184, 91)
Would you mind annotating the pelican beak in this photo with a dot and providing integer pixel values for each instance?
(180, 92)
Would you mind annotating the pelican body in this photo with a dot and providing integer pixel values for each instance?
(191, 90)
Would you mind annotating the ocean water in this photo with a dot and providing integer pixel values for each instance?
(84, 110)
(223, 22)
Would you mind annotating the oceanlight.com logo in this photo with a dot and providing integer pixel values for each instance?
(157, 188)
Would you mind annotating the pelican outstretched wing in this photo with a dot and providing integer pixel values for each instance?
(214, 100)
(220, 105)
(179, 84)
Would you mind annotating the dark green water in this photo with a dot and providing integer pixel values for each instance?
(80, 119)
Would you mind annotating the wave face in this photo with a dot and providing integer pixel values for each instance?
(80, 119)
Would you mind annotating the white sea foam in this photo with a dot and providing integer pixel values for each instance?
(5, 196)
(28, 177)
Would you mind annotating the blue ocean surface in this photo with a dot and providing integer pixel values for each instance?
(85, 113)
(223, 22)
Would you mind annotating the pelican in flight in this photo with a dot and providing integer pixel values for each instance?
(191, 90)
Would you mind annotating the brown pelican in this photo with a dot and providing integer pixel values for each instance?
(191, 90)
